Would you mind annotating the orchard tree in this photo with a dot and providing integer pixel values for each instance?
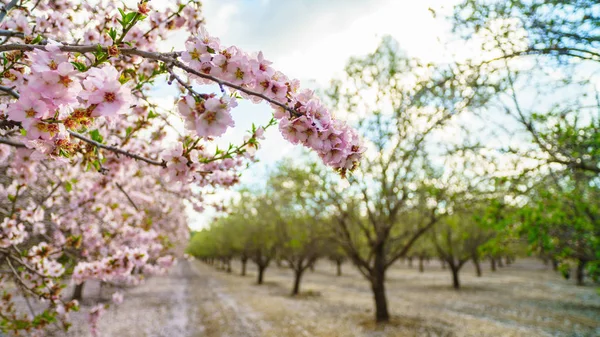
(562, 218)
(409, 103)
(96, 174)
(457, 239)
(546, 56)
(301, 228)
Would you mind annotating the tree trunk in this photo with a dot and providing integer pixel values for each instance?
(500, 263)
(244, 262)
(261, 271)
(554, 264)
(339, 267)
(493, 264)
(297, 279)
(378, 287)
(580, 272)
(421, 267)
(78, 292)
(229, 265)
(477, 266)
(410, 262)
(455, 279)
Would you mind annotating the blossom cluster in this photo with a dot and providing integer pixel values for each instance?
(55, 95)
(304, 119)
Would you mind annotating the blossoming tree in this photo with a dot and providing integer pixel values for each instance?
(95, 175)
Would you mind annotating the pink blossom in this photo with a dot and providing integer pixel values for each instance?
(117, 298)
(105, 92)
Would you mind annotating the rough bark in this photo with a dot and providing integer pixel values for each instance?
(78, 292)
(261, 272)
(493, 264)
(297, 278)
(580, 274)
(378, 286)
(244, 263)
(455, 279)
(477, 266)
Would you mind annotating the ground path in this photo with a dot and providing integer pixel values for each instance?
(197, 300)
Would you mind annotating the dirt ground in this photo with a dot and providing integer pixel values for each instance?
(524, 299)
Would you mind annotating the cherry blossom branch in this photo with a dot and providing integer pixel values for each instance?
(161, 163)
(167, 58)
(95, 143)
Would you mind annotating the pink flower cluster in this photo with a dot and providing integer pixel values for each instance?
(12, 232)
(54, 90)
(207, 117)
(305, 120)
(110, 268)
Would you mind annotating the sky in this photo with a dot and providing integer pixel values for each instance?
(312, 40)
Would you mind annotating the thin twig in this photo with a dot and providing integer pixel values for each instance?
(161, 163)
(9, 91)
(176, 77)
(128, 197)
(6, 8)
(11, 143)
(11, 33)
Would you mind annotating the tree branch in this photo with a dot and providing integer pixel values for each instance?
(128, 197)
(168, 58)
(161, 163)
(6, 8)
(11, 143)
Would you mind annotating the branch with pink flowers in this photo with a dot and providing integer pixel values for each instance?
(169, 58)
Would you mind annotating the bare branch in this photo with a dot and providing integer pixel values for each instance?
(11, 143)
(9, 91)
(128, 197)
(6, 8)
(161, 163)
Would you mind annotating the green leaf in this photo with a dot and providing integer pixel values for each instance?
(129, 17)
(96, 136)
(37, 39)
(80, 66)
(68, 186)
(112, 33)
(152, 114)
